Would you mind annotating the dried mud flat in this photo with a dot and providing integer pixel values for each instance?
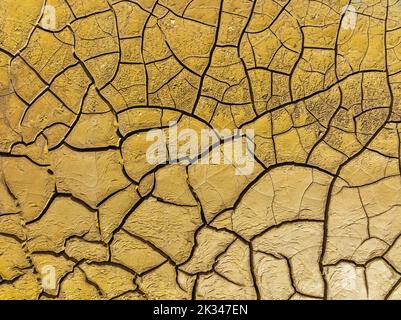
(83, 215)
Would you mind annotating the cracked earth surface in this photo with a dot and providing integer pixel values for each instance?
(319, 217)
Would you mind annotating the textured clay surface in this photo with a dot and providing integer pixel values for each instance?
(83, 82)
